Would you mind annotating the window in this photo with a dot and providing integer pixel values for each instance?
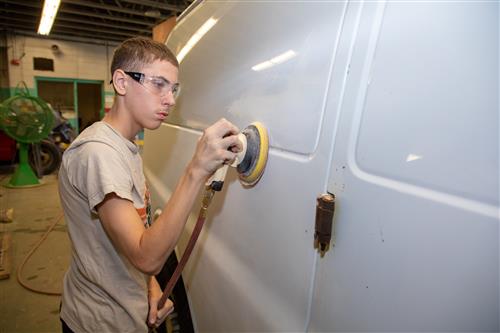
(43, 64)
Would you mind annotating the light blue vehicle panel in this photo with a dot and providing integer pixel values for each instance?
(415, 172)
(253, 265)
(391, 106)
(254, 64)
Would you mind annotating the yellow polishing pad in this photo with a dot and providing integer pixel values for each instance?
(252, 166)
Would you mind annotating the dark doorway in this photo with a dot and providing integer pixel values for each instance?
(60, 96)
(4, 70)
(89, 104)
(78, 101)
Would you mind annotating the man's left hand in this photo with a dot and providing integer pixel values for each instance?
(155, 316)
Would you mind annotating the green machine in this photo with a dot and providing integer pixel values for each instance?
(27, 119)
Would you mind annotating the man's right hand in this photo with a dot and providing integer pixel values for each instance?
(218, 145)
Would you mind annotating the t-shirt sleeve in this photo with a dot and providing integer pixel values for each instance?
(97, 170)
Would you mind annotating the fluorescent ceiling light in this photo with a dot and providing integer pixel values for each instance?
(152, 13)
(281, 58)
(49, 13)
(196, 38)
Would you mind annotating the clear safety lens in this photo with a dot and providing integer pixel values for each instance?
(157, 84)
(162, 86)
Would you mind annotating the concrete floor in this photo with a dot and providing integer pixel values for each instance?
(35, 209)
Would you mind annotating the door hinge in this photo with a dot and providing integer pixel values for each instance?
(324, 228)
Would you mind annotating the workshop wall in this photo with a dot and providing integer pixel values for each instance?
(71, 60)
(4, 69)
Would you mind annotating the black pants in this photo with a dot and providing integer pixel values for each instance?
(65, 327)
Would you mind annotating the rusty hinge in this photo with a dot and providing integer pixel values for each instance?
(325, 208)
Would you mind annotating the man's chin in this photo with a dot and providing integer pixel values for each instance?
(153, 125)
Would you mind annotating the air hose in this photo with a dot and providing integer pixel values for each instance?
(207, 198)
(249, 164)
(28, 256)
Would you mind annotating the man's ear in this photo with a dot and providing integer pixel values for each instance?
(120, 82)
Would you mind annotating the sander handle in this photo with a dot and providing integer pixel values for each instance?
(216, 181)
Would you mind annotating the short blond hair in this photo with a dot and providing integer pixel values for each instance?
(133, 53)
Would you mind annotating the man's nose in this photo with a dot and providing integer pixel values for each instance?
(168, 98)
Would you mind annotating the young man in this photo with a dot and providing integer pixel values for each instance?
(110, 285)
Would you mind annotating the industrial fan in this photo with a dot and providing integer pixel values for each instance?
(26, 119)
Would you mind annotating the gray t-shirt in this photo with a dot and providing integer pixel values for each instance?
(103, 291)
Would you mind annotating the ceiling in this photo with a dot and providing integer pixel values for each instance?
(98, 21)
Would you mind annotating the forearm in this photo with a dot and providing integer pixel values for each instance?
(147, 249)
(159, 240)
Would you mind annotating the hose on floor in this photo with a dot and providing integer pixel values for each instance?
(28, 256)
